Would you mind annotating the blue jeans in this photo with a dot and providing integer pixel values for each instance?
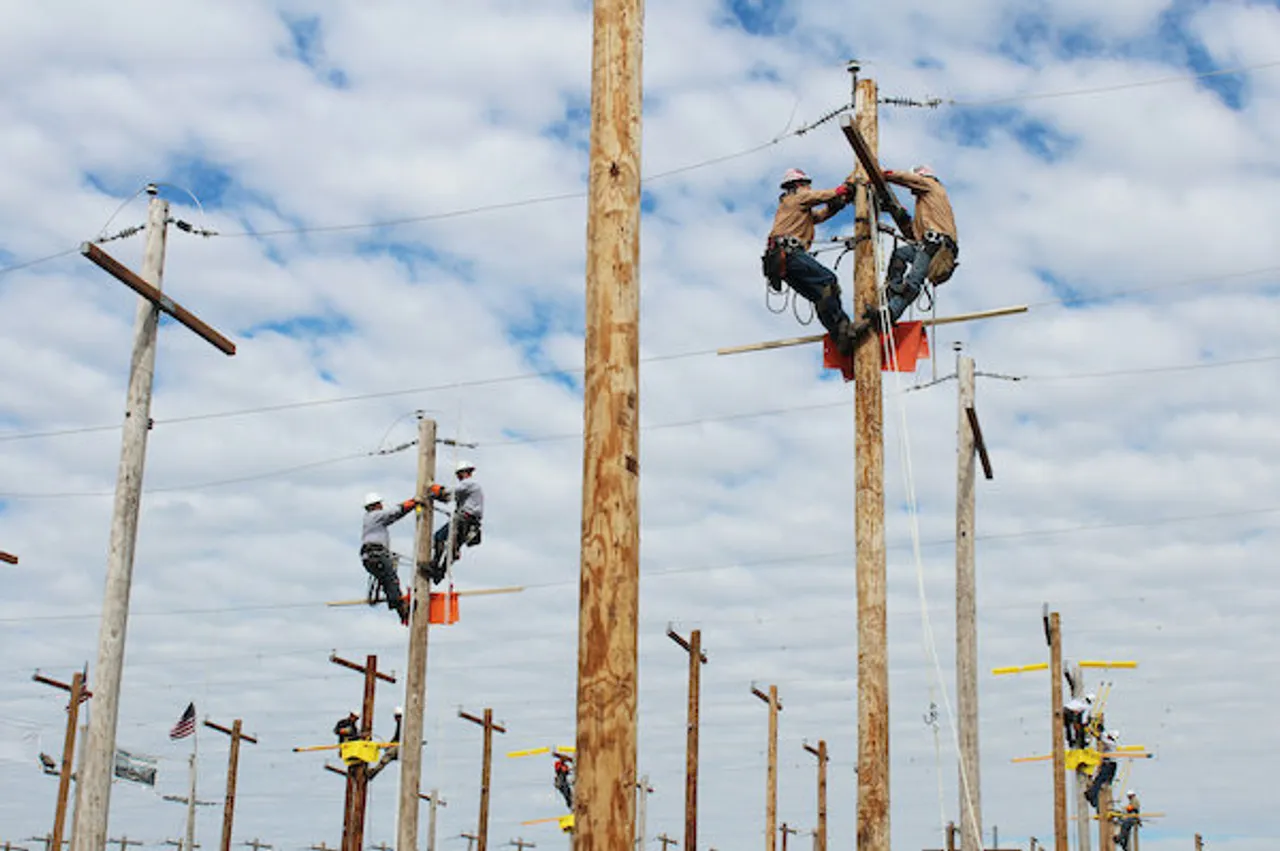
(819, 285)
(904, 286)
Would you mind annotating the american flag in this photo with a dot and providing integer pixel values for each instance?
(186, 724)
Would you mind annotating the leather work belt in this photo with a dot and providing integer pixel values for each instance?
(944, 239)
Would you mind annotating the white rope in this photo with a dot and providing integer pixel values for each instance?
(908, 477)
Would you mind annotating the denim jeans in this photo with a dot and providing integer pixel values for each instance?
(907, 269)
(819, 285)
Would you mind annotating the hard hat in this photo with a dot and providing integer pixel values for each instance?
(1113, 735)
(925, 171)
(399, 710)
(1090, 697)
(1130, 794)
(372, 498)
(794, 175)
(464, 465)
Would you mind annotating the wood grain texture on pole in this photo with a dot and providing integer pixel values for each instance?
(1106, 835)
(415, 678)
(8, 558)
(93, 787)
(873, 656)
(820, 833)
(68, 755)
(604, 800)
(967, 616)
(1059, 755)
(1083, 843)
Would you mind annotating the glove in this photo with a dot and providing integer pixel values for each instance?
(437, 492)
(409, 504)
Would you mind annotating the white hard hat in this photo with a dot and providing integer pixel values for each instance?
(925, 171)
(1090, 697)
(464, 465)
(1130, 794)
(372, 498)
(1113, 735)
(794, 175)
(399, 710)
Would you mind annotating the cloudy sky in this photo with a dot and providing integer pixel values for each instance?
(1135, 483)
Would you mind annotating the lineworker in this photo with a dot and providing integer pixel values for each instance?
(1132, 810)
(468, 511)
(1075, 719)
(564, 783)
(375, 549)
(1106, 769)
(346, 729)
(787, 258)
(931, 252)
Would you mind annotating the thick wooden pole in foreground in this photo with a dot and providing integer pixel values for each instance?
(604, 800)
(415, 678)
(873, 651)
(1054, 629)
(93, 787)
(967, 614)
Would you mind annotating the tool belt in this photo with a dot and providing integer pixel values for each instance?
(945, 257)
(773, 263)
(369, 552)
(468, 530)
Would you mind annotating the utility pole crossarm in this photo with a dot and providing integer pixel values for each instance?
(163, 303)
(884, 194)
(244, 737)
(493, 725)
(356, 666)
(8, 558)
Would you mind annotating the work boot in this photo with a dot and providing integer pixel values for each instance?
(403, 610)
(843, 336)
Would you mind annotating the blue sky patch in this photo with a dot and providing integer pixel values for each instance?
(1174, 31)
(303, 327)
(1069, 295)
(573, 127)
(306, 42)
(975, 128)
(759, 17)
(417, 257)
(544, 318)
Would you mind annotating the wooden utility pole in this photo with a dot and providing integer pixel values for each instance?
(666, 840)
(78, 695)
(257, 845)
(233, 770)
(873, 658)
(1199, 843)
(1076, 681)
(604, 799)
(820, 833)
(180, 844)
(643, 790)
(771, 777)
(436, 801)
(8, 558)
(520, 844)
(471, 838)
(93, 789)
(321, 847)
(696, 660)
(358, 774)
(1106, 828)
(415, 678)
(786, 830)
(969, 443)
(489, 727)
(124, 842)
(1053, 632)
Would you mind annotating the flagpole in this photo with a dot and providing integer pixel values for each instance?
(191, 794)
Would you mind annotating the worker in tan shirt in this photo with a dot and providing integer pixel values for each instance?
(787, 258)
(932, 251)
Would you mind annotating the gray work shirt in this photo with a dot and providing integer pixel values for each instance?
(376, 523)
(469, 498)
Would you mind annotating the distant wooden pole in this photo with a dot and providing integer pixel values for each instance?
(873, 656)
(1199, 843)
(78, 695)
(487, 723)
(967, 615)
(93, 787)
(771, 776)
(415, 678)
(1054, 629)
(358, 774)
(604, 799)
(820, 836)
(233, 769)
(643, 789)
(696, 660)
(786, 830)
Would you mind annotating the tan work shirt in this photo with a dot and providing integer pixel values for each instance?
(797, 212)
(933, 207)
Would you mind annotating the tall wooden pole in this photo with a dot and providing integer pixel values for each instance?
(820, 835)
(642, 812)
(1106, 827)
(237, 735)
(415, 680)
(771, 774)
(360, 771)
(967, 616)
(78, 694)
(873, 658)
(696, 660)
(604, 799)
(1059, 755)
(93, 787)
(487, 723)
(436, 801)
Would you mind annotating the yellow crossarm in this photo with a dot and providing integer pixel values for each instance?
(529, 752)
(1021, 669)
(1111, 664)
(1130, 752)
(309, 748)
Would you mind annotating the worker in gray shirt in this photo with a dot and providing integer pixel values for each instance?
(468, 509)
(375, 549)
